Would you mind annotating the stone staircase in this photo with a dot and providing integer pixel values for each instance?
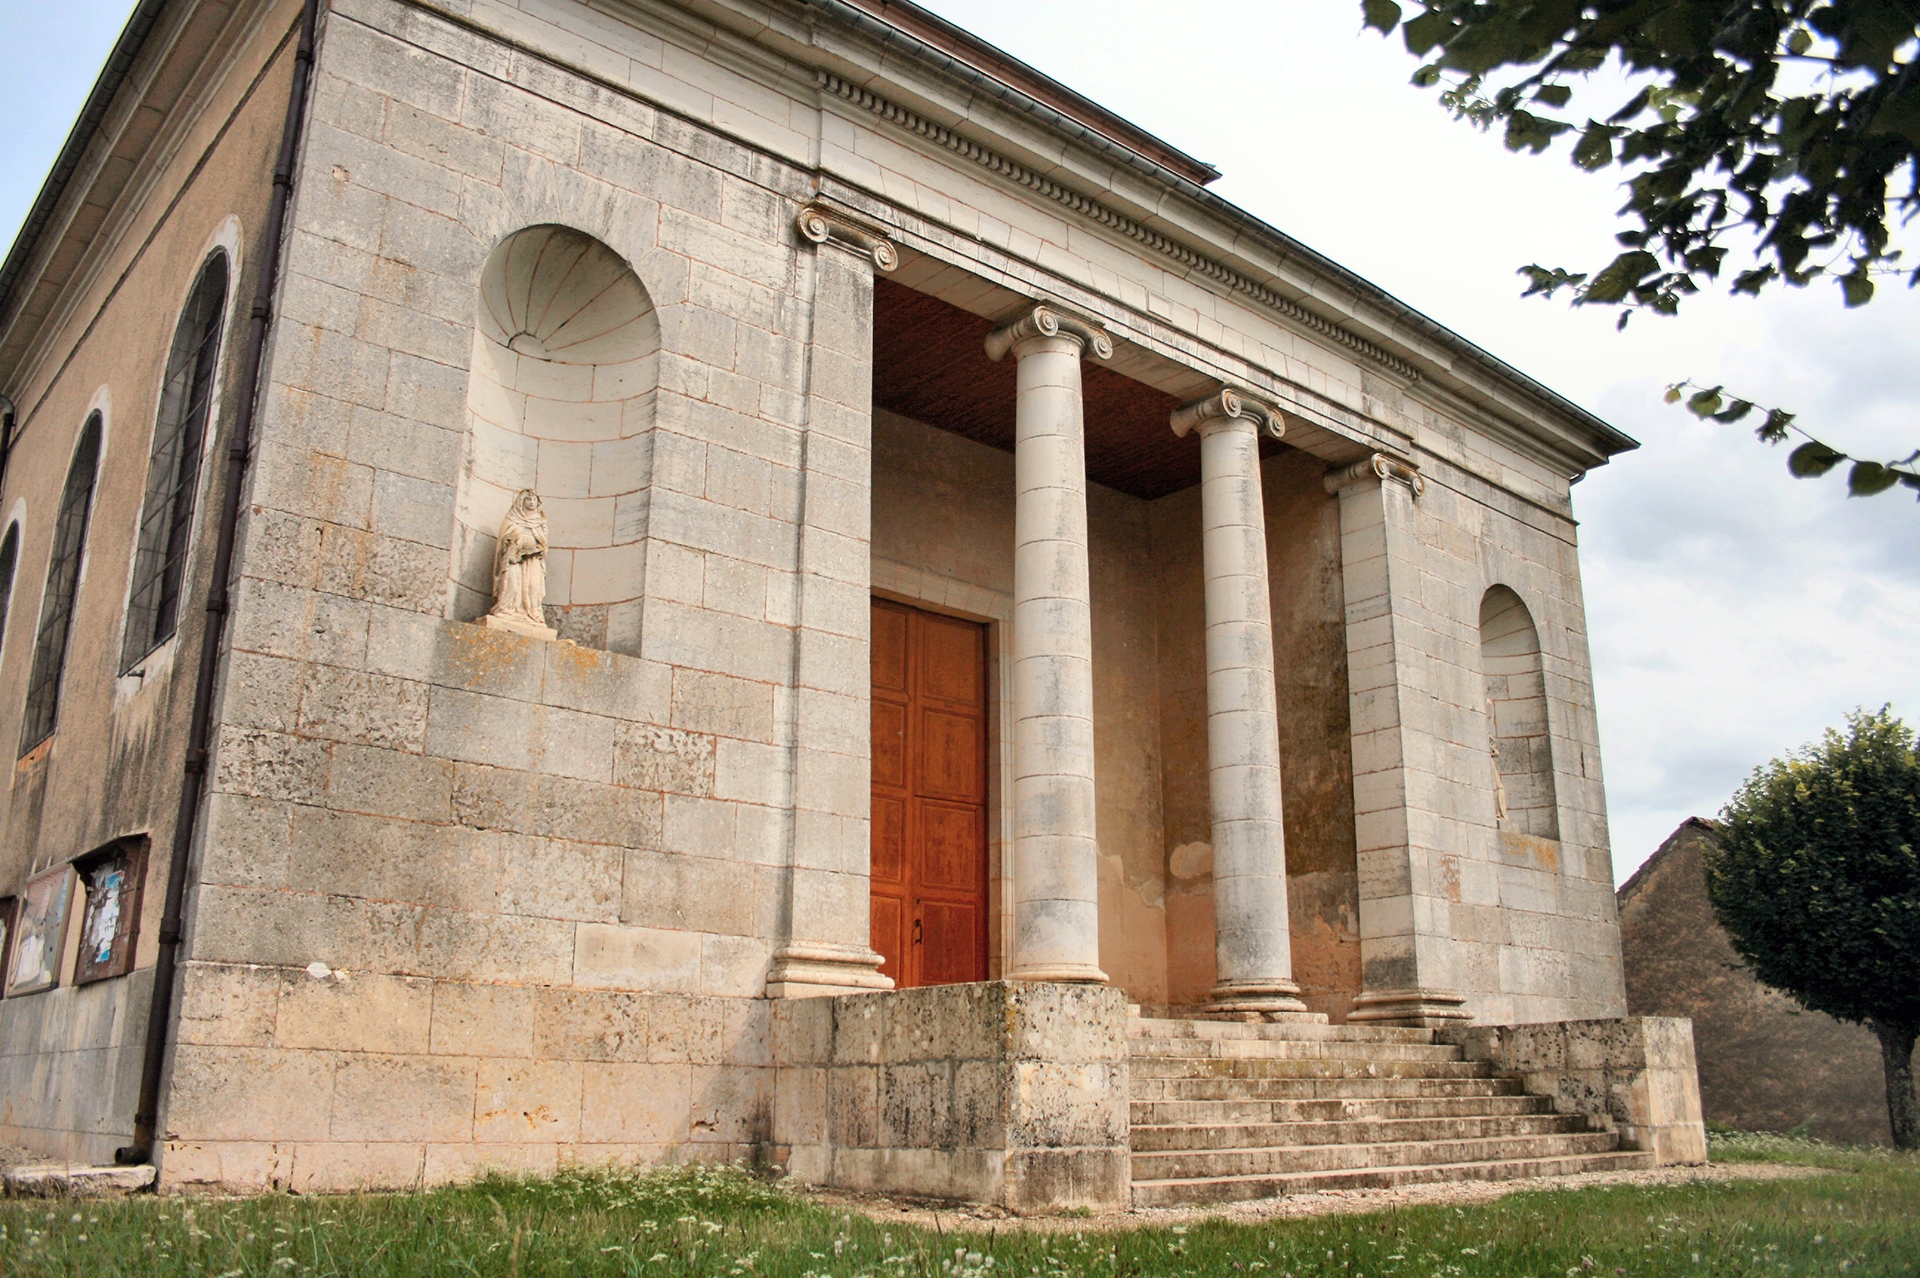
(1225, 1111)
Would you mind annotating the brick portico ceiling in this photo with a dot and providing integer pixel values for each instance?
(1046, 690)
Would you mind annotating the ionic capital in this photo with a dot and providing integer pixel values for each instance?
(823, 225)
(1045, 320)
(1225, 405)
(1378, 467)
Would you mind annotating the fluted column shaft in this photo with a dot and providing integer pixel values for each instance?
(1056, 908)
(1252, 944)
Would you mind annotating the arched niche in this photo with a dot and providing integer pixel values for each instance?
(1517, 714)
(560, 399)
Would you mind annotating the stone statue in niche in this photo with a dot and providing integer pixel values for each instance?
(1499, 782)
(520, 570)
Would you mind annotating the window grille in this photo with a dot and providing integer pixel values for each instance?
(173, 472)
(63, 584)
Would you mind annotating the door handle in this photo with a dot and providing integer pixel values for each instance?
(916, 931)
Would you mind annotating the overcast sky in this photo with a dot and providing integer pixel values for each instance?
(1734, 611)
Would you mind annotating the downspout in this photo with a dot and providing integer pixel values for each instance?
(159, 1016)
(6, 440)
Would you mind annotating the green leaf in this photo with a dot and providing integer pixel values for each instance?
(1594, 150)
(1673, 393)
(1621, 274)
(1857, 289)
(1705, 403)
(1426, 77)
(1813, 459)
(1382, 15)
(1800, 41)
(1554, 95)
(1774, 429)
(1733, 412)
(1868, 478)
(1425, 31)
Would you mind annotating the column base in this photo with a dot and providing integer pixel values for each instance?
(811, 971)
(1417, 1009)
(1259, 1001)
(1060, 973)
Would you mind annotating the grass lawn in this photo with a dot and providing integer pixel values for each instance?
(1860, 1217)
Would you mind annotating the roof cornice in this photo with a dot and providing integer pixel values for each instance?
(126, 51)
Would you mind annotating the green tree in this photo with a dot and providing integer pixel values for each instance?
(1789, 126)
(1817, 880)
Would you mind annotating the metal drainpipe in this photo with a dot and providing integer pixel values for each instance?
(6, 440)
(159, 1016)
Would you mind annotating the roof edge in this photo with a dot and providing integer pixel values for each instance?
(859, 14)
(963, 46)
(106, 87)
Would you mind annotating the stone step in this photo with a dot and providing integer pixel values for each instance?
(1289, 1049)
(1226, 1112)
(1160, 1027)
(1300, 1159)
(1182, 1192)
(1159, 1138)
(1251, 1068)
(1144, 1090)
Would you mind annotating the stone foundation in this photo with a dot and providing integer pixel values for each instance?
(1010, 1093)
(1635, 1072)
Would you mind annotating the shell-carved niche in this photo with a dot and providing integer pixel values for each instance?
(560, 400)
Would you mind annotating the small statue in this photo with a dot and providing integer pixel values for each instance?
(520, 570)
(1499, 783)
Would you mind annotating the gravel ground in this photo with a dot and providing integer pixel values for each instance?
(1326, 1203)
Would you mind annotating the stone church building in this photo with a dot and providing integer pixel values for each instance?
(643, 580)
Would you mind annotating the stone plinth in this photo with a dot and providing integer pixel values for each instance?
(1011, 1093)
(1635, 1072)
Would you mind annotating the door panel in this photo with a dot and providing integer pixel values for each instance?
(929, 796)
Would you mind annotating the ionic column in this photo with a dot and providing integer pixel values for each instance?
(1056, 908)
(1253, 954)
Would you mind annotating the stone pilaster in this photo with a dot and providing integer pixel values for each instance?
(1252, 947)
(1408, 963)
(1056, 911)
(828, 944)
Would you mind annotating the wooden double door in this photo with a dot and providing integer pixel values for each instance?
(929, 796)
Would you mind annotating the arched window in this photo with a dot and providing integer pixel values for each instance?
(1517, 716)
(63, 584)
(9, 560)
(173, 473)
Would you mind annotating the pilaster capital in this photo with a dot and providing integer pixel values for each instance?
(1376, 468)
(822, 225)
(1226, 405)
(1046, 320)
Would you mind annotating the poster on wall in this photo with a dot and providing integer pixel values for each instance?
(40, 932)
(109, 924)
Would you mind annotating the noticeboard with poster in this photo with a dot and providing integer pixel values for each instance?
(40, 932)
(112, 879)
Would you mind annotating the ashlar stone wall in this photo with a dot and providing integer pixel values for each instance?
(466, 896)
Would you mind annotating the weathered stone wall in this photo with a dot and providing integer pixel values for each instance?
(1523, 928)
(70, 1057)
(1001, 1092)
(1766, 1063)
(549, 879)
(1634, 1074)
